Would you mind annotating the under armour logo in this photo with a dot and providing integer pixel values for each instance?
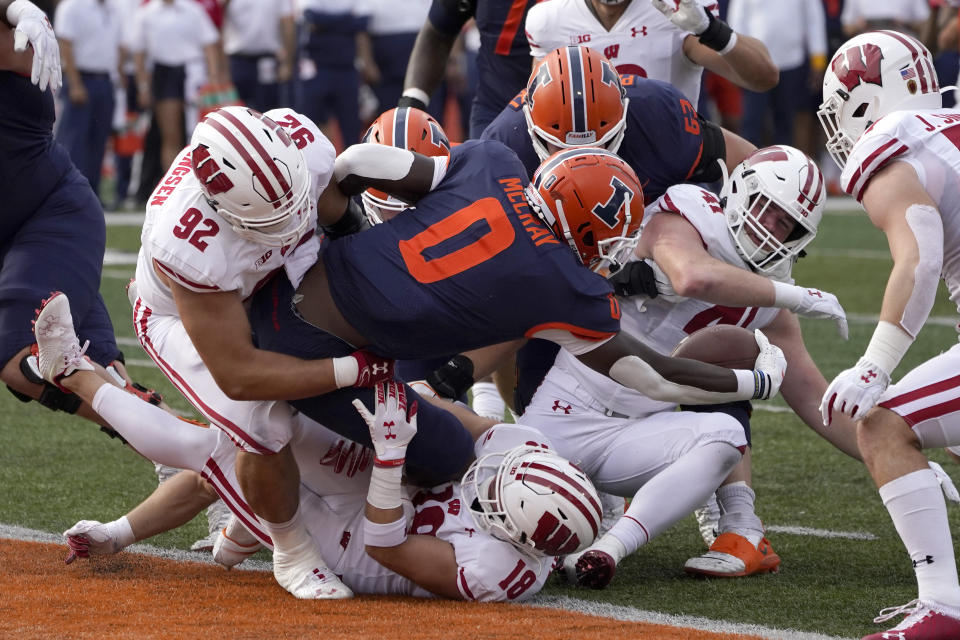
(378, 369)
(557, 407)
(814, 292)
(868, 376)
(894, 635)
(469, 531)
(634, 31)
(388, 424)
(927, 560)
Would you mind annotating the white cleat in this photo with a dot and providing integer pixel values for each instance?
(218, 515)
(58, 350)
(234, 544)
(309, 580)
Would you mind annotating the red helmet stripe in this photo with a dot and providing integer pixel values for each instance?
(257, 171)
(284, 185)
(909, 44)
(576, 500)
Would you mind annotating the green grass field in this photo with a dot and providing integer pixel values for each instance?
(59, 469)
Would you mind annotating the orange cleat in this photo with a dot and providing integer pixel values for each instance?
(733, 556)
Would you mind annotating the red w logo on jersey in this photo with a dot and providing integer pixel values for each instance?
(859, 64)
(208, 171)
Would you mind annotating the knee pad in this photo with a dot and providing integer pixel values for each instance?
(741, 411)
(51, 396)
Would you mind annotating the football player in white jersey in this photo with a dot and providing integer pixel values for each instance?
(898, 149)
(240, 202)
(668, 41)
(705, 249)
(491, 537)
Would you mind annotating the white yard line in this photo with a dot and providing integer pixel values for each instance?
(600, 609)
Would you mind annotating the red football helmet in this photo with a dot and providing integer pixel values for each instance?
(574, 99)
(406, 128)
(592, 199)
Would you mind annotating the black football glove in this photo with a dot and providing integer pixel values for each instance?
(633, 279)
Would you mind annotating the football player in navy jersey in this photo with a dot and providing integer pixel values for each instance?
(503, 62)
(52, 231)
(483, 259)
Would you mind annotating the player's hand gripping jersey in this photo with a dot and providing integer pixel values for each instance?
(468, 267)
(929, 140)
(661, 324)
(663, 142)
(186, 240)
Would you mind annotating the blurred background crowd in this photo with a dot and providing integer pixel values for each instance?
(138, 74)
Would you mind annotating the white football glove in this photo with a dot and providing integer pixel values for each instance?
(689, 15)
(90, 537)
(665, 289)
(946, 482)
(854, 391)
(812, 303)
(31, 26)
(393, 424)
(771, 366)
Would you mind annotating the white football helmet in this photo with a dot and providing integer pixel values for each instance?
(871, 75)
(786, 178)
(534, 499)
(252, 174)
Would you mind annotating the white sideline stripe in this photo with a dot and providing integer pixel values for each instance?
(615, 612)
(14, 532)
(113, 258)
(820, 533)
(631, 614)
(116, 219)
(862, 254)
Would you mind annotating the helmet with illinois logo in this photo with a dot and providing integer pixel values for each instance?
(871, 75)
(405, 128)
(574, 99)
(591, 199)
(252, 174)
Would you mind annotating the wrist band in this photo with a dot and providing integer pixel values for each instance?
(414, 97)
(718, 35)
(887, 346)
(384, 491)
(388, 534)
(345, 371)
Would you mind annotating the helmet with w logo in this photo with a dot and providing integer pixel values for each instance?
(252, 174)
(771, 180)
(871, 75)
(406, 128)
(574, 99)
(593, 200)
(534, 499)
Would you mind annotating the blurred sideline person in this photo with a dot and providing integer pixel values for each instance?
(490, 537)
(898, 150)
(668, 462)
(239, 203)
(669, 41)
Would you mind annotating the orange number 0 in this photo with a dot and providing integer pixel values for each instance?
(499, 237)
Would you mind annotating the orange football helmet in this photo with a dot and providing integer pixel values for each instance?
(406, 128)
(574, 99)
(592, 199)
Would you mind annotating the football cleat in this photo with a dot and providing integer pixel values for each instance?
(708, 520)
(89, 537)
(234, 544)
(923, 622)
(309, 578)
(58, 350)
(218, 517)
(732, 556)
(595, 569)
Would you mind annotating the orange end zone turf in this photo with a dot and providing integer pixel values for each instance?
(136, 596)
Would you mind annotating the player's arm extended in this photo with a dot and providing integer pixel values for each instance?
(425, 560)
(428, 60)
(747, 65)
(803, 385)
(218, 327)
(402, 173)
(633, 364)
(898, 205)
(677, 248)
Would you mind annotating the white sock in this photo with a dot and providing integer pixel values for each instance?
(612, 545)
(487, 402)
(919, 513)
(291, 539)
(675, 493)
(737, 511)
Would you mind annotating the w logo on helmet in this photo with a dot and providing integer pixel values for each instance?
(857, 65)
(208, 171)
(609, 211)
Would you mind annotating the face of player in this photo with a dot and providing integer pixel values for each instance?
(773, 219)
